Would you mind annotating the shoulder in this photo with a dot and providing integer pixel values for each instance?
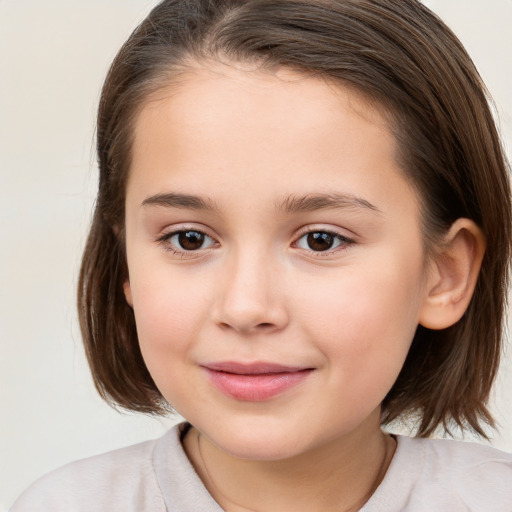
(121, 480)
(458, 475)
(427, 475)
(484, 465)
(463, 451)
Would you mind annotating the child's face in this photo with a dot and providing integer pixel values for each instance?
(230, 173)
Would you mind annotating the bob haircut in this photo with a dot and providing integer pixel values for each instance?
(406, 61)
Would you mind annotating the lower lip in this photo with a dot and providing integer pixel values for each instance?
(256, 387)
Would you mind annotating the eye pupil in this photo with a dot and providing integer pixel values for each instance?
(191, 240)
(319, 241)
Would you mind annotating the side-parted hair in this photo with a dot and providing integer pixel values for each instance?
(399, 55)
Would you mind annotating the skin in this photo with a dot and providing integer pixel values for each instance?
(247, 142)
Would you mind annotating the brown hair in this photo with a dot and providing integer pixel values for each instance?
(397, 53)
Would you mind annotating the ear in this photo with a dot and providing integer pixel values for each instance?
(453, 275)
(128, 292)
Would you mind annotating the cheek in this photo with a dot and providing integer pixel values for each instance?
(364, 321)
(167, 320)
(168, 313)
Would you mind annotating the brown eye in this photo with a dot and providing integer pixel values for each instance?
(320, 241)
(189, 240)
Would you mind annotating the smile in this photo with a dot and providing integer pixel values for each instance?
(255, 382)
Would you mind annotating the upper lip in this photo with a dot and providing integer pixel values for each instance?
(256, 368)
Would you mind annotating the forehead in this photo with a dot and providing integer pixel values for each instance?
(225, 122)
(216, 89)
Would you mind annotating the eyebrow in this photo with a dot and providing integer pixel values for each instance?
(313, 202)
(291, 204)
(175, 200)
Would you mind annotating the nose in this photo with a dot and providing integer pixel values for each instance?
(251, 300)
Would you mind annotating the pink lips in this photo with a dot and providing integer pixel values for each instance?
(255, 382)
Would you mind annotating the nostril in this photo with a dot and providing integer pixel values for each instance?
(266, 326)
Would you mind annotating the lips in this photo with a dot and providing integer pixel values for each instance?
(254, 382)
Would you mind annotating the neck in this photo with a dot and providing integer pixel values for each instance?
(340, 475)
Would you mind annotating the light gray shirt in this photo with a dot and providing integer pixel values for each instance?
(425, 475)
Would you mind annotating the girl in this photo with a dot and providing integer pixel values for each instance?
(302, 234)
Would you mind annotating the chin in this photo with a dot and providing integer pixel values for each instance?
(259, 450)
(264, 444)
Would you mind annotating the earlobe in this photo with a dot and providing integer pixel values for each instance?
(128, 292)
(453, 276)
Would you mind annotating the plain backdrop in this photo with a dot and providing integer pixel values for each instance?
(53, 58)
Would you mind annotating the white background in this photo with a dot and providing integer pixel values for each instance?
(53, 58)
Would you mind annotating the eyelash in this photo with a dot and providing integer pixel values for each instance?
(344, 242)
(165, 241)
